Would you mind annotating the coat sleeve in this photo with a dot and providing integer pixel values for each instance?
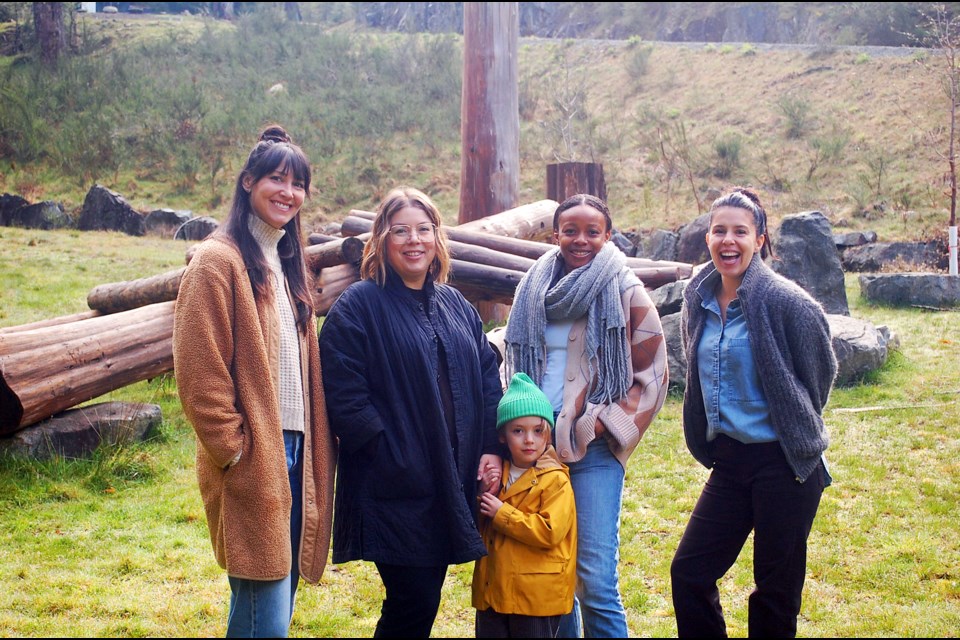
(346, 365)
(549, 525)
(627, 419)
(814, 360)
(203, 349)
(492, 385)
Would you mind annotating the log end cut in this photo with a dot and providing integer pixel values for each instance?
(11, 409)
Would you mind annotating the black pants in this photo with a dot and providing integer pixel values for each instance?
(412, 600)
(491, 624)
(751, 488)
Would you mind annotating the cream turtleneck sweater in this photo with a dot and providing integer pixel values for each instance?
(291, 382)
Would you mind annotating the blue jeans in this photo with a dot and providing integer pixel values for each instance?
(263, 608)
(597, 481)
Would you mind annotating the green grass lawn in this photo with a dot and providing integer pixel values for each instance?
(117, 545)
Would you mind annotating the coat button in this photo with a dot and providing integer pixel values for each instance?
(564, 453)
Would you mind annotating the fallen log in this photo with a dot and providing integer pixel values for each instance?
(483, 283)
(532, 249)
(655, 277)
(481, 255)
(330, 283)
(518, 254)
(369, 215)
(122, 296)
(354, 225)
(319, 238)
(51, 322)
(338, 251)
(44, 371)
(532, 221)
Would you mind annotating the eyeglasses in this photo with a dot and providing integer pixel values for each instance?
(401, 233)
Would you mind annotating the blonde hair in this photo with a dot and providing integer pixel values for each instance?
(374, 263)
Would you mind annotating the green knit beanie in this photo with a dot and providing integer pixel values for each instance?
(523, 398)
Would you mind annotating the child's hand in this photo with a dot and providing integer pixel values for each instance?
(490, 479)
(488, 474)
(489, 504)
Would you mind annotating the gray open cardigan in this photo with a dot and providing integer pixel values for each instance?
(792, 347)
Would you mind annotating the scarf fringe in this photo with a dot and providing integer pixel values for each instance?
(592, 290)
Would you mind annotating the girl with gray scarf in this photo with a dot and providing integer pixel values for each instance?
(584, 329)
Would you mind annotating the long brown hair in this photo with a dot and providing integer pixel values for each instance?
(374, 264)
(274, 150)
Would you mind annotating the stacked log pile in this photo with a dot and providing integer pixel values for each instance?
(51, 368)
(52, 365)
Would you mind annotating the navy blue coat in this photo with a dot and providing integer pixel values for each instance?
(405, 500)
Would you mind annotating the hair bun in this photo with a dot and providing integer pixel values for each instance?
(275, 133)
(749, 193)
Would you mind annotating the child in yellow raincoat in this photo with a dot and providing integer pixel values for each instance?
(526, 581)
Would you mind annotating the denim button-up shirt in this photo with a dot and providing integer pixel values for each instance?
(732, 394)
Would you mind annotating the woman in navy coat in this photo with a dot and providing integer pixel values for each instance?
(412, 387)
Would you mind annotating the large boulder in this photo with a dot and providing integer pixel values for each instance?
(660, 244)
(854, 239)
(626, 241)
(76, 433)
(106, 210)
(692, 242)
(42, 215)
(165, 222)
(879, 256)
(9, 203)
(927, 290)
(668, 298)
(860, 346)
(196, 228)
(676, 360)
(806, 253)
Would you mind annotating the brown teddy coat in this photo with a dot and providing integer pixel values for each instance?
(226, 361)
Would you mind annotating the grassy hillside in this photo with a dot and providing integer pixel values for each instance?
(163, 108)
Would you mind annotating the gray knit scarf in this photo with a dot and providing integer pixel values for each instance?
(592, 290)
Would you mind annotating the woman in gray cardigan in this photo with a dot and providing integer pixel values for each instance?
(760, 369)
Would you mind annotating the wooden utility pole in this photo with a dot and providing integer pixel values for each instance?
(489, 110)
(51, 36)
